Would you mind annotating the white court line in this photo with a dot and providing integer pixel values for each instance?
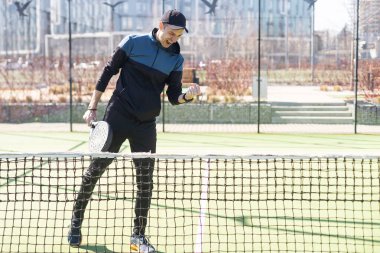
(202, 215)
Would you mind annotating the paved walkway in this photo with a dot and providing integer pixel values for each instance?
(226, 128)
(302, 94)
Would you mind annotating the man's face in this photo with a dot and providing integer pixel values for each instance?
(168, 36)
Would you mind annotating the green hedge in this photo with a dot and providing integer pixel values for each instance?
(193, 113)
(369, 114)
(215, 114)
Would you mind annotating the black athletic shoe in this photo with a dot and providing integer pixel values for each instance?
(74, 237)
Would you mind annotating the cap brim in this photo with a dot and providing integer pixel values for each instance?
(177, 27)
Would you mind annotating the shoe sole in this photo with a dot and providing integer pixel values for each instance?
(135, 248)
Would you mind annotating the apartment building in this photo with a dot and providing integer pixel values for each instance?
(231, 30)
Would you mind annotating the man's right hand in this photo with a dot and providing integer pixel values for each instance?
(89, 116)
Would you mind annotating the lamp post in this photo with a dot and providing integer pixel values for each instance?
(163, 91)
(312, 61)
(70, 69)
(259, 69)
(356, 67)
(312, 28)
(113, 6)
(112, 20)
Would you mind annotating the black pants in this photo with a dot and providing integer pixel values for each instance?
(142, 137)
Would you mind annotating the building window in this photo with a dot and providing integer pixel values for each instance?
(282, 7)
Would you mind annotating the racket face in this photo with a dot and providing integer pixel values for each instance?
(100, 137)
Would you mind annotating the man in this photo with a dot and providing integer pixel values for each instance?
(147, 63)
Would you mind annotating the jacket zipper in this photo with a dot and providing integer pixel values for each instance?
(154, 61)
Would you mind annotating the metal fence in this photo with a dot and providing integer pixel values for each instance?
(258, 62)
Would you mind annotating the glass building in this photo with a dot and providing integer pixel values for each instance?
(44, 28)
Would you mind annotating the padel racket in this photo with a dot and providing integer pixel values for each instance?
(100, 137)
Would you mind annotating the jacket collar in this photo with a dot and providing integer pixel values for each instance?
(174, 48)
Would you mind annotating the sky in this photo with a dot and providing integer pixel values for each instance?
(332, 14)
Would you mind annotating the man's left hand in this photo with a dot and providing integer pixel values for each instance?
(194, 90)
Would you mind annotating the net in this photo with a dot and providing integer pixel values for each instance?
(199, 203)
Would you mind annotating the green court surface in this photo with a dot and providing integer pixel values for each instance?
(210, 205)
(261, 206)
(205, 143)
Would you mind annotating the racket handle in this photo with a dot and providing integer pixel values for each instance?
(93, 124)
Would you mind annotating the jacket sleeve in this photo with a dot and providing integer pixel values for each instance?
(174, 82)
(116, 62)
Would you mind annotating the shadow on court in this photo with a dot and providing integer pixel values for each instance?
(101, 248)
(96, 248)
(247, 221)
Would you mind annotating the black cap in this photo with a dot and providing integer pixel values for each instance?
(174, 18)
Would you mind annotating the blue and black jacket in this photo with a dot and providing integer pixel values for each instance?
(146, 67)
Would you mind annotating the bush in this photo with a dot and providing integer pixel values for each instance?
(232, 77)
(324, 87)
(62, 99)
(337, 88)
(29, 99)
